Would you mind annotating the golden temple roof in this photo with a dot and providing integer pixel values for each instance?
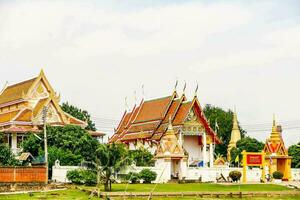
(16, 91)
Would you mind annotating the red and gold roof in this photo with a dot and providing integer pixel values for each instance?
(149, 120)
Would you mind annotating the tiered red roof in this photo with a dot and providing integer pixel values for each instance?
(149, 120)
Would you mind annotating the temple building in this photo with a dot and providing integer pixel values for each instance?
(277, 158)
(147, 123)
(235, 136)
(21, 110)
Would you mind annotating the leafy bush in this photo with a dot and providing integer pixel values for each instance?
(7, 158)
(133, 177)
(147, 175)
(82, 176)
(235, 175)
(277, 175)
(89, 177)
(142, 157)
(75, 176)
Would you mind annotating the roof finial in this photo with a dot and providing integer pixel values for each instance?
(143, 91)
(176, 84)
(135, 97)
(196, 90)
(274, 128)
(126, 104)
(184, 87)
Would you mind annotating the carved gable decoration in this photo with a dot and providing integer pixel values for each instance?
(192, 126)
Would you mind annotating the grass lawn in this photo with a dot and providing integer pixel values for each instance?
(57, 195)
(196, 187)
(78, 195)
(73, 194)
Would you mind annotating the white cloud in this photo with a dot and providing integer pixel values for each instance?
(96, 56)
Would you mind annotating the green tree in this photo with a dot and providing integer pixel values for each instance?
(7, 158)
(294, 151)
(111, 158)
(79, 114)
(248, 144)
(69, 144)
(142, 157)
(225, 123)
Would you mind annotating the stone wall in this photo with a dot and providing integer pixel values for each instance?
(22, 174)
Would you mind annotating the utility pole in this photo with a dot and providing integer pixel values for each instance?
(45, 111)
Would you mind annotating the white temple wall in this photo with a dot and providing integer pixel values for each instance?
(295, 173)
(191, 145)
(59, 173)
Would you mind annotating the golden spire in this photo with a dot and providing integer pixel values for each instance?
(275, 135)
(170, 130)
(235, 135)
(274, 127)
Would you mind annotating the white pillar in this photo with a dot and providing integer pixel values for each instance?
(204, 149)
(211, 155)
(14, 143)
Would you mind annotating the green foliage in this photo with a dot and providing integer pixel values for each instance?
(235, 176)
(225, 122)
(142, 157)
(277, 175)
(82, 176)
(7, 158)
(133, 177)
(70, 144)
(75, 176)
(33, 145)
(147, 175)
(248, 144)
(79, 114)
(112, 158)
(294, 151)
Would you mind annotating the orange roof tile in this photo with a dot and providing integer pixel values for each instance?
(182, 113)
(143, 126)
(153, 109)
(16, 91)
(172, 110)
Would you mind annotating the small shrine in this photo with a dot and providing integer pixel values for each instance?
(170, 156)
(277, 157)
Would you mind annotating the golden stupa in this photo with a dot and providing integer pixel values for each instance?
(235, 136)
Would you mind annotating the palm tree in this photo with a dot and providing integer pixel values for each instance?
(111, 158)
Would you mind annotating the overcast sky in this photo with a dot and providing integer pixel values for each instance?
(95, 53)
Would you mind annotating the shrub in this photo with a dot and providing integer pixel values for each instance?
(133, 177)
(235, 175)
(147, 175)
(82, 176)
(277, 175)
(89, 177)
(75, 176)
